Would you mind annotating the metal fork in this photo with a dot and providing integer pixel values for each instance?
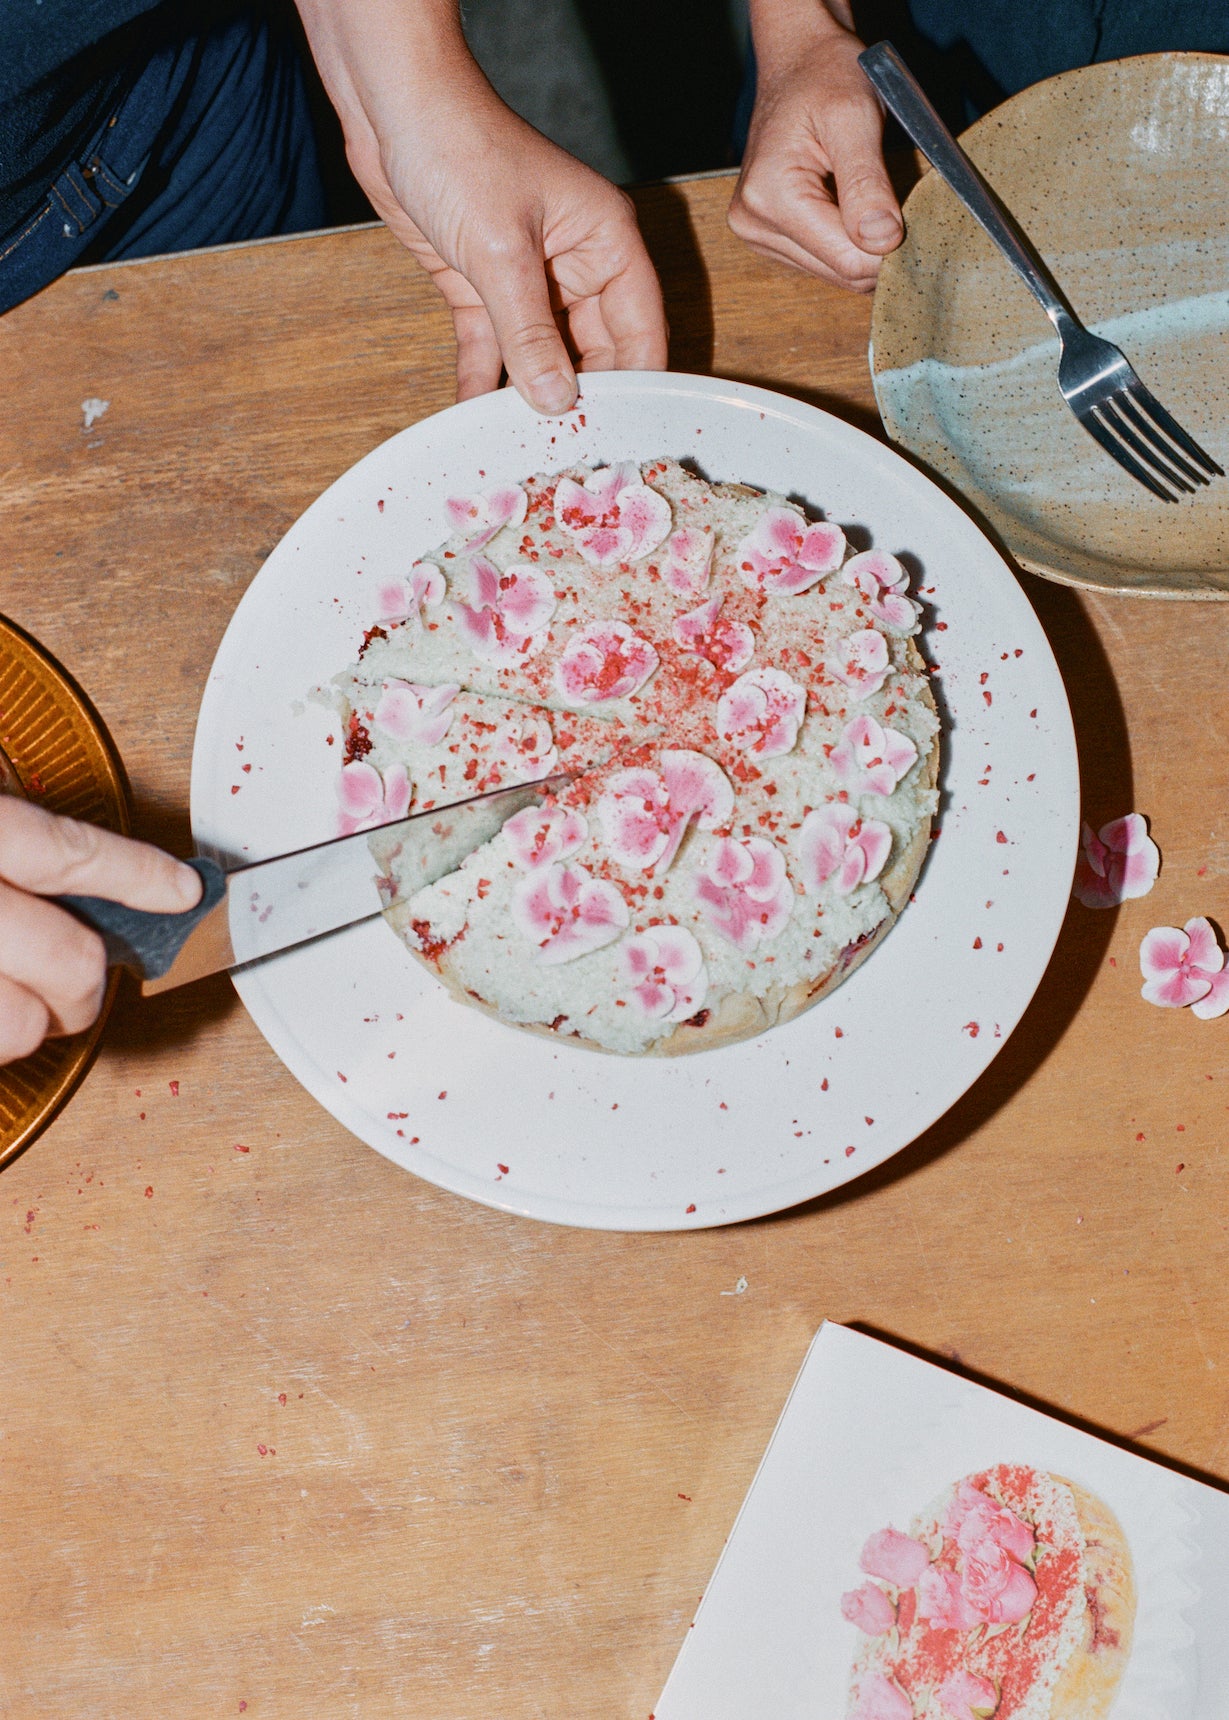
(1094, 377)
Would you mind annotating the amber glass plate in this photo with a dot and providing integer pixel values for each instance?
(64, 758)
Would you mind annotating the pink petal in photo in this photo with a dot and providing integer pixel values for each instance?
(883, 582)
(965, 1695)
(544, 835)
(728, 645)
(836, 844)
(566, 913)
(1116, 864)
(868, 1608)
(762, 712)
(405, 599)
(687, 559)
(664, 968)
(897, 1558)
(744, 891)
(479, 517)
(861, 662)
(507, 615)
(785, 554)
(870, 758)
(880, 1699)
(613, 516)
(419, 715)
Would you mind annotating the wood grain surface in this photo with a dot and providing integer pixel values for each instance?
(286, 1432)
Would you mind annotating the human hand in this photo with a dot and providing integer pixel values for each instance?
(517, 235)
(813, 190)
(53, 970)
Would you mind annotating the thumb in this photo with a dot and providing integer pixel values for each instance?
(513, 288)
(864, 192)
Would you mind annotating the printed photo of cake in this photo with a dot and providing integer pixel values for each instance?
(1012, 1597)
(747, 722)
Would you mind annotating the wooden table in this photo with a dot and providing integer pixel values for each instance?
(287, 1432)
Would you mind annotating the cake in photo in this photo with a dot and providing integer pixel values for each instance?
(1011, 1598)
(746, 724)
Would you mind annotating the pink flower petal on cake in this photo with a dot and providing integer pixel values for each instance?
(696, 787)
(566, 913)
(861, 662)
(941, 1600)
(1203, 951)
(1172, 979)
(880, 1699)
(508, 612)
(1118, 864)
(368, 799)
(665, 969)
(785, 555)
(544, 835)
(405, 599)
(687, 559)
(883, 582)
(527, 743)
(870, 759)
(744, 891)
(613, 516)
(420, 715)
(973, 1517)
(897, 1558)
(728, 645)
(761, 712)
(479, 517)
(868, 1608)
(604, 661)
(634, 813)
(964, 1695)
(835, 843)
(997, 1589)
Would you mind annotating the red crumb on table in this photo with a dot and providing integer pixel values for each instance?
(840, 1031)
(999, 836)
(869, 1121)
(972, 1028)
(502, 1169)
(1141, 1136)
(174, 1086)
(692, 1207)
(1179, 1170)
(149, 1193)
(823, 1086)
(850, 1151)
(976, 943)
(444, 1094)
(241, 1149)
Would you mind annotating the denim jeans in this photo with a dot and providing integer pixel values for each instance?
(212, 143)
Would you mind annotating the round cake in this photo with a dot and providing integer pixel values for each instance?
(746, 725)
(1012, 1597)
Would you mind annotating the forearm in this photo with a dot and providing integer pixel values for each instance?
(780, 27)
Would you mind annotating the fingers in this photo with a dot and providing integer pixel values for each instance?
(54, 856)
(24, 1021)
(512, 285)
(56, 959)
(854, 142)
(479, 360)
(633, 318)
(793, 220)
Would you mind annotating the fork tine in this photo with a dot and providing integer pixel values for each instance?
(1172, 428)
(1124, 404)
(1127, 461)
(1118, 423)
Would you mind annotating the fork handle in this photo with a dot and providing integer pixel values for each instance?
(904, 96)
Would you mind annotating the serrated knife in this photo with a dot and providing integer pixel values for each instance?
(249, 912)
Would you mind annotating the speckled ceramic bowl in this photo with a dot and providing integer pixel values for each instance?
(1118, 172)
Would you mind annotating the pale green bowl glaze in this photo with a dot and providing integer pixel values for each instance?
(1120, 175)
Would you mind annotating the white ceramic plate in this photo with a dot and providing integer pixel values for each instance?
(561, 1133)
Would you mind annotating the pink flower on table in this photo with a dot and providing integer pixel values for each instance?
(897, 1558)
(973, 1517)
(604, 661)
(1116, 865)
(999, 1590)
(870, 758)
(744, 891)
(761, 712)
(405, 599)
(567, 913)
(528, 743)
(506, 618)
(368, 799)
(479, 517)
(941, 1600)
(728, 645)
(1185, 967)
(645, 815)
(835, 843)
(613, 516)
(687, 560)
(883, 582)
(544, 835)
(784, 553)
(861, 661)
(869, 1608)
(665, 967)
(880, 1699)
(408, 712)
(965, 1696)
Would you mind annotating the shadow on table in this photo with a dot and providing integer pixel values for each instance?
(1105, 769)
(670, 234)
(954, 1363)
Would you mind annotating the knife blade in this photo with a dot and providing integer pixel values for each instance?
(249, 912)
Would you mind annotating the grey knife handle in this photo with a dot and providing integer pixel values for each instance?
(904, 96)
(147, 943)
